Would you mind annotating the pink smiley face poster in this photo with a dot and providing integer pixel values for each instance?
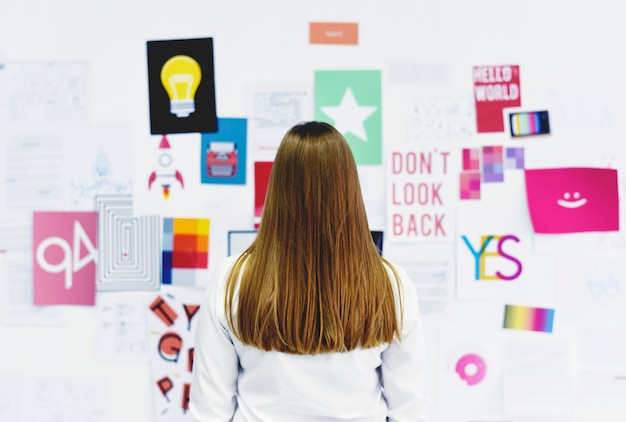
(571, 200)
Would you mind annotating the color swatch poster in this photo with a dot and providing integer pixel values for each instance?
(185, 259)
(422, 185)
(223, 153)
(495, 88)
(485, 166)
(351, 101)
(569, 200)
(171, 327)
(64, 257)
(262, 172)
(181, 86)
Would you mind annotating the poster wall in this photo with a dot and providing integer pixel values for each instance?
(136, 145)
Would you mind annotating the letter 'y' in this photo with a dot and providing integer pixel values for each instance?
(477, 254)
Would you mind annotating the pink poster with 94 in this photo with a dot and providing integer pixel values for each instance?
(64, 258)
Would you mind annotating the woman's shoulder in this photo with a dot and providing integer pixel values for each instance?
(224, 265)
(405, 285)
(393, 267)
(219, 272)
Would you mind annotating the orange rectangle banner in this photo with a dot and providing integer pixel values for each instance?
(333, 33)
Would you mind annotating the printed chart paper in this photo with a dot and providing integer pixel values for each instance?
(16, 278)
(271, 110)
(537, 374)
(121, 333)
(50, 397)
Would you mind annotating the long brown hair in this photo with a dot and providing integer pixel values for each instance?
(313, 279)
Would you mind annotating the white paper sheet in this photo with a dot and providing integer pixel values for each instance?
(494, 245)
(47, 398)
(601, 387)
(49, 90)
(591, 288)
(538, 373)
(431, 269)
(460, 393)
(272, 109)
(16, 279)
(121, 327)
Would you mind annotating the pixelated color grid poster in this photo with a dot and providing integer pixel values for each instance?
(185, 260)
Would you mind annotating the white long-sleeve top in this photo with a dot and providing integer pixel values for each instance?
(236, 382)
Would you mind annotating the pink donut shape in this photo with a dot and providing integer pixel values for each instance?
(471, 359)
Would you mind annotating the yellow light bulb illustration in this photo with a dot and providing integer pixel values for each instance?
(180, 76)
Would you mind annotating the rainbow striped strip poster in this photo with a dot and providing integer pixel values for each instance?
(528, 318)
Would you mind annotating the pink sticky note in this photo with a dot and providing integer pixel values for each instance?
(569, 200)
(64, 258)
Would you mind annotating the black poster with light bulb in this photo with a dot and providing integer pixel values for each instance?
(181, 86)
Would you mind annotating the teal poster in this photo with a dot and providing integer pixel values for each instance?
(351, 101)
(223, 153)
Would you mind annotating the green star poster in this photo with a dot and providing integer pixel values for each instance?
(351, 101)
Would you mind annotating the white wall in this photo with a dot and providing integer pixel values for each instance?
(571, 59)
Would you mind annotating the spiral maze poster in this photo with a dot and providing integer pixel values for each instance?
(172, 326)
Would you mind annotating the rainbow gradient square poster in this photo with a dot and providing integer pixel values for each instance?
(185, 251)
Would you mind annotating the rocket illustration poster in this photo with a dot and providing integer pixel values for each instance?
(352, 102)
(181, 86)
